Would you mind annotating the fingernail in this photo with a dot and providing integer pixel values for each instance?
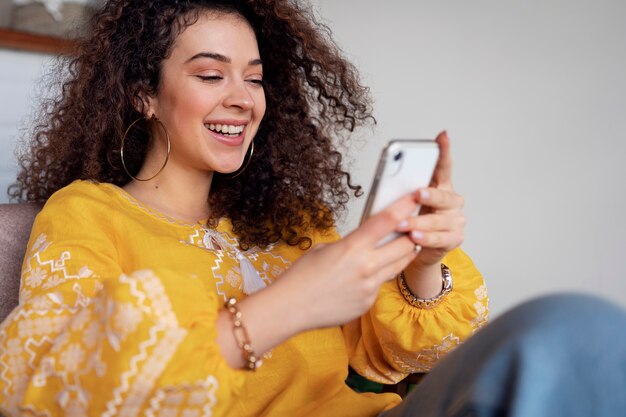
(404, 224)
(415, 235)
(424, 194)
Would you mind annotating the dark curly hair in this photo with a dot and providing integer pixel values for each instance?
(314, 97)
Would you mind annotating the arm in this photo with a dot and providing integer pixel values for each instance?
(396, 338)
(90, 335)
(87, 336)
(438, 230)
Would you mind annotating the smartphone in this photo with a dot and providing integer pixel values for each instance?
(405, 165)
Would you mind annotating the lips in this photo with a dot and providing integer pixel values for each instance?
(229, 134)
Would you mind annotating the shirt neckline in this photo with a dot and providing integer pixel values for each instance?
(126, 196)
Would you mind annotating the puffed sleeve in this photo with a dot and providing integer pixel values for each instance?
(395, 338)
(88, 339)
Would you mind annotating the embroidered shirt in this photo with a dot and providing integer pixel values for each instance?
(117, 316)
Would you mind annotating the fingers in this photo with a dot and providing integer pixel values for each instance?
(392, 270)
(438, 240)
(437, 231)
(439, 199)
(443, 171)
(378, 263)
(382, 224)
(391, 258)
(395, 250)
(447, 221)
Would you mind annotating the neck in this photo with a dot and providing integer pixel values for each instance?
(180, 195)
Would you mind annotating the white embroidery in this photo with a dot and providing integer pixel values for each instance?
(35, 278)
(234, 277)
(226, 267)
(91, 334)
(41, 303)
(126, 319)
(481, 292)
(46, 273)
(482, 308)
(217, 275)
(72, 357)
(77, 357)
(81, 320)
(14, 347)
(186, 400)
(154, 353)
(76, 409)
(425, 359)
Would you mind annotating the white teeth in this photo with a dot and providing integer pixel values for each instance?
(225, 129)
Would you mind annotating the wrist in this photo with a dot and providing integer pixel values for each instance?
(424, 281)
(426, 302)
(268, 319)
(285, 304)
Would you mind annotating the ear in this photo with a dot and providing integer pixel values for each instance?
(145, 104)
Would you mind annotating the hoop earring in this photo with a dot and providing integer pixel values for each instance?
(241, 170)
(167, 157)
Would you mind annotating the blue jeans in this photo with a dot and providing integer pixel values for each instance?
(555, 356)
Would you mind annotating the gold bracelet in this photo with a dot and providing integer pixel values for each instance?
(426, 303)
(241, 335)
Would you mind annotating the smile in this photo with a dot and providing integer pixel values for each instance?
(226, 130)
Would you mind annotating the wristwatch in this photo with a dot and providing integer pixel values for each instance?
(427, 303)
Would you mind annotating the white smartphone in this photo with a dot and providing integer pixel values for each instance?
(405, 165)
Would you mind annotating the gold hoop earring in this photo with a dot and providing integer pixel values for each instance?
(167, 156)
(241, 170)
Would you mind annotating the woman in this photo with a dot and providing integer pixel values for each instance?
(186, 262)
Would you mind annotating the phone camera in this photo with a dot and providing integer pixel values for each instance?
(397, 156)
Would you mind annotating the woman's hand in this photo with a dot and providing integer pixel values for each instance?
(338, 282)
(330, 285)
(335, 283)
(438, 229)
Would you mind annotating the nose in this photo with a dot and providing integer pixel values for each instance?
(239, 96)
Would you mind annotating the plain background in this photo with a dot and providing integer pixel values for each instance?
(533, 94)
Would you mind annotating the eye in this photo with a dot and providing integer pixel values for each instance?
(256, 82)
(210, 78)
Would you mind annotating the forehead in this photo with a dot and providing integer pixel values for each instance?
(225, 33)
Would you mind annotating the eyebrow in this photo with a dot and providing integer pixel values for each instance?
(221, 58)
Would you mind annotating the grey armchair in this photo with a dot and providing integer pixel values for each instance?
(16, 221)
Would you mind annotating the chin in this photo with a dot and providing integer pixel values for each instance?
(223, 166)
(228, 170)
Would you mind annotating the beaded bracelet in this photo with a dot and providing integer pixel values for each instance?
(241, 335)
(426, 303)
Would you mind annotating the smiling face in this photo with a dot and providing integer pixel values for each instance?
(210, 97)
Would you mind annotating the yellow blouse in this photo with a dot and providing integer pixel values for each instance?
(117, 311)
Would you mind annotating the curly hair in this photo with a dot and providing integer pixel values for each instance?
(296, 180)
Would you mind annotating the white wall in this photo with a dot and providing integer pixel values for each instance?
(20, 73)
(533, 94)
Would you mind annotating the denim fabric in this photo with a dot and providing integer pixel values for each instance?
(555, 356)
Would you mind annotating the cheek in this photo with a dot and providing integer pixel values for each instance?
(260, 106)
(192, 102)
(187, 100)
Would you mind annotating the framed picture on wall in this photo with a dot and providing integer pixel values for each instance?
(43, 25)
